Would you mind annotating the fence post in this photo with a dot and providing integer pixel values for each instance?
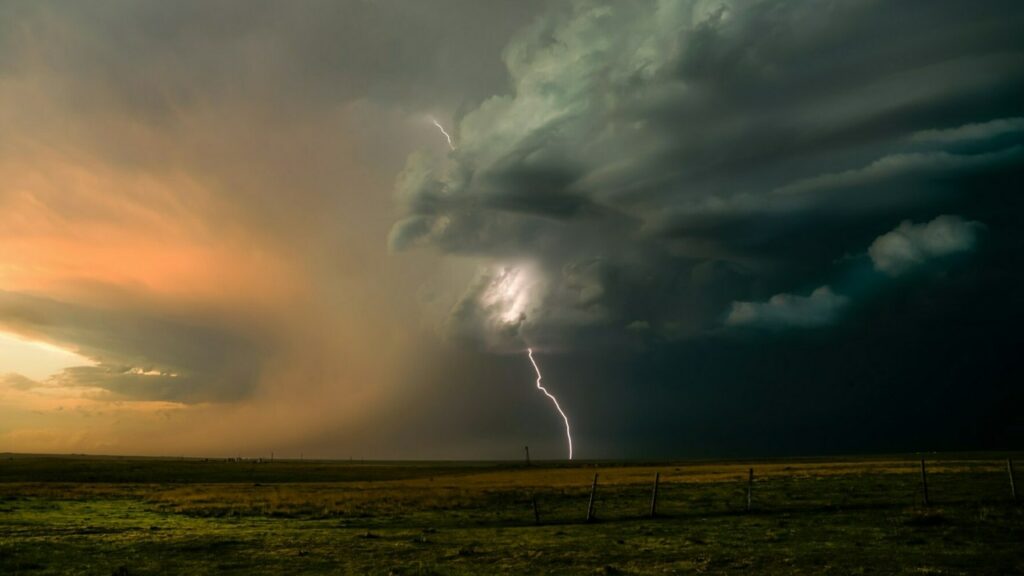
(590, 506)
(924, 482)
(536, 511)
(1009, 470)
(750, 488)
(654, 495)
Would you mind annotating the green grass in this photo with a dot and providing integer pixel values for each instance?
(79, 515)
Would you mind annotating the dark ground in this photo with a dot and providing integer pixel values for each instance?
(94, 515)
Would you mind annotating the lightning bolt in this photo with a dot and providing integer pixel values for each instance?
(447, 136)
(568, 433)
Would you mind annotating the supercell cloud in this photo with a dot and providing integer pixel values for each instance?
(666, 165)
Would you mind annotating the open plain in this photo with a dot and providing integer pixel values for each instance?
(114, 515)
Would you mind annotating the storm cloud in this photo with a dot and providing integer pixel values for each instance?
(723, 226)
(658, 161)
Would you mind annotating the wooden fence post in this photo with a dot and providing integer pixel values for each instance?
(654, 495)
(924, 482)
(536, 511)
(750, 489)
(590, 506)
(1009, 470)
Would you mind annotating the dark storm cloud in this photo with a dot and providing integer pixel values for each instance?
(764, 141)
(139, 355)
(909, 248)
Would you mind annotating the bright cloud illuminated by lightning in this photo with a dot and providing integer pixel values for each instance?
(499, 307)
(509, 294)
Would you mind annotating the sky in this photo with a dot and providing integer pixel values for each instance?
(724, 227)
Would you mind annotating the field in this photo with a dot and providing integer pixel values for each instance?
(104, 515)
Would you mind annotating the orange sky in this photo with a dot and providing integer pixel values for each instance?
(214, 255)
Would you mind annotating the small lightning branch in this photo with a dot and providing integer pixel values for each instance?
(445, 132)
(568, 433)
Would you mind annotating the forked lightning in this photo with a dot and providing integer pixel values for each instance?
(568, 433)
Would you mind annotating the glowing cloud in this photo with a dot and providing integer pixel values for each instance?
(508, 295)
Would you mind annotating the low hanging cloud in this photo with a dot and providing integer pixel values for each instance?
(908, 247)
(759, 140)
(912, 246)
(138, 355)
(820, 308)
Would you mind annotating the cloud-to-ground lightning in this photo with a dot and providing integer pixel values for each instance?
(447, 136)
(568, 432)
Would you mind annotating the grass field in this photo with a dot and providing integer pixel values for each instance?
(93, 515)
